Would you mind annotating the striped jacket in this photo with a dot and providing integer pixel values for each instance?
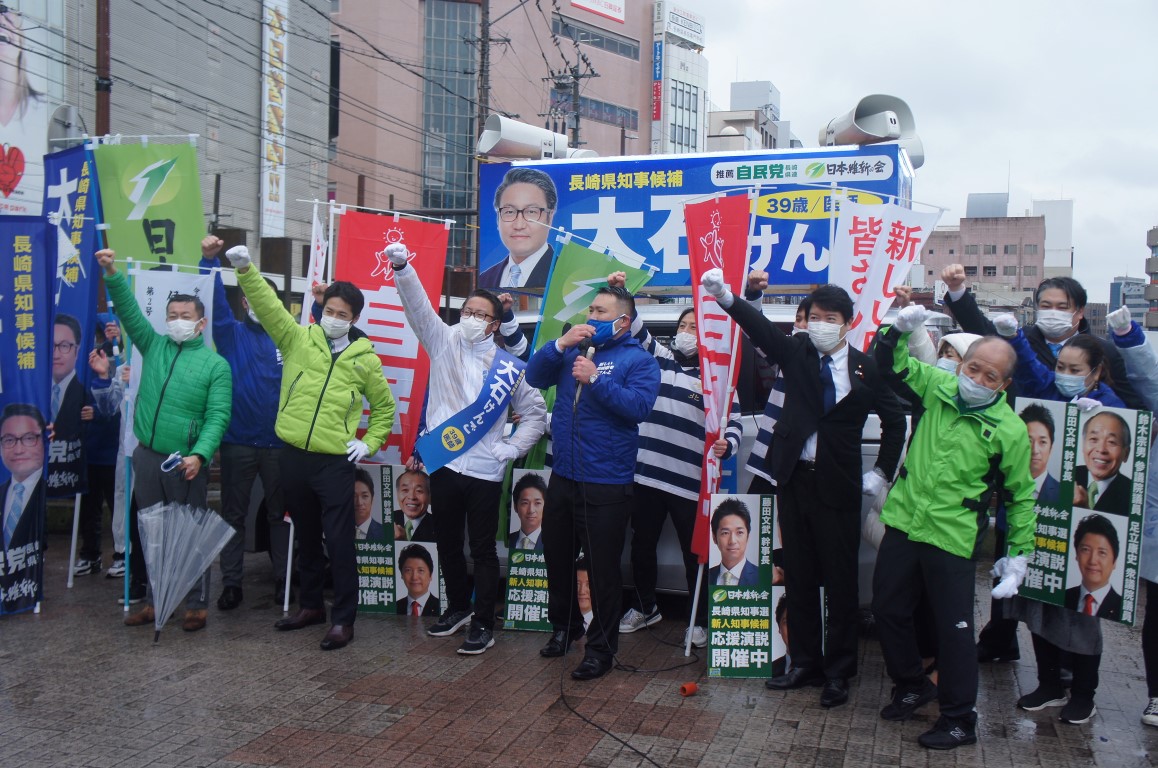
(671, 440)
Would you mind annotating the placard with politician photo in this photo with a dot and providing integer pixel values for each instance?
(526, 605)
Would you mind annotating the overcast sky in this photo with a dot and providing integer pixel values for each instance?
(1055, 99)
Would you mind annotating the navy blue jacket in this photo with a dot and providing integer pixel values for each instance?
(604, 447)
(256, 365)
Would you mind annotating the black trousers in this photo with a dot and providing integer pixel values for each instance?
(1150, 638)
(1049, 664)
(460, 502)
(319, 493)
(102, 486)
(652, 507)
(820, 545)
(999, 634)
(240, 466)
(593, 516)
(905, 568)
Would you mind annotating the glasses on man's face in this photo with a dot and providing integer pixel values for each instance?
(530, 213)
(64, 346)
(29, 440)
(465, 313)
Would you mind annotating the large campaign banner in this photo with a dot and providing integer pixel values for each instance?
(27, 267)
(634, 207)
(274, 92)
(151, 200)
(1090, 470)
(361, 259)
(72, 206)
(742, 641)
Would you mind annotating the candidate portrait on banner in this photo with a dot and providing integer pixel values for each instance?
(528, 497)
(413, 520)
(367, 515)
(416, 575)
(734, 549)
(1095, 582)
(1043, 419)
(524, 205)
(1103, 482)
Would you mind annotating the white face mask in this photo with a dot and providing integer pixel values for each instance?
(181, 331)
(685, 344)
(334, 328)
(973, 394)
(252, 316)
(825, 336)
(946, 364)
(473, 329)
(1055, 323)
(1070, 385)
(796, 330)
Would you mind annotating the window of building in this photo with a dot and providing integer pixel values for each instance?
(1009, 271)
(595, 37)
(970, 271)
(1031, 249)
(1009, 249)
(952, 251)
(1029, 270)
(989, 271)
(931, 251)
(989, 250)
(971, 250)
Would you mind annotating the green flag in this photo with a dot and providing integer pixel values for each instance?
(151, 199)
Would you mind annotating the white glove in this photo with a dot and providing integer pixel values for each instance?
(356, 450)
(713, 282)
(1118, 321)
(911, 318)
(397, 254)
(504, 451)
(872, 483)
(1086, 404)
(1012, 571)
(1006, 325)
(238, 256)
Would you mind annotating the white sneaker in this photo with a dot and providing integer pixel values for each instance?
(1150, 715)
(699, 637)
(633, 620)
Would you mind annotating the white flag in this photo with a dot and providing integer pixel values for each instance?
(316, 274)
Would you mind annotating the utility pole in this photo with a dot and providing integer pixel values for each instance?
(104, 83)
(567, 82)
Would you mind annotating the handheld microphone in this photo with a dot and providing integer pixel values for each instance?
(585, 348)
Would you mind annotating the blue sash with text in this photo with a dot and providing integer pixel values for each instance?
(458, 434)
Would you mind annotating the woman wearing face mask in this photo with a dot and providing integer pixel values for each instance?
(465, 492)
(326, 373)
(667, 470)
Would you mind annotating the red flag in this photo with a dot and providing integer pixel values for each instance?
(361, 259)
(717, 238)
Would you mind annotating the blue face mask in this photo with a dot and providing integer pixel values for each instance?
(604, 331)
(1069, 385)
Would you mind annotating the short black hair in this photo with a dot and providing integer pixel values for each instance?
(805, 306)
(69, 322)
(1036, 412)
(622, 297)
(496, 305)
(182, 298)
(363, 477)
(1098, 525)
(1067, 285)
(1095, 354)
(831, 298)
(529, 176)
(731, 507)
(529, 480)
(412, 551)
(684, 313)
(347, 292)
(12, 410)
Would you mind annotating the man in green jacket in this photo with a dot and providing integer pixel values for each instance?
(325, 375)
(183, 406)
(969, 444)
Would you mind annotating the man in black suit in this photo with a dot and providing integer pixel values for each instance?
(1096, 552)
(66, 465)
(416, 567)
(366, 528)
(413, 521)
(22, 429)
(524, 206)
(1105, 447)
(529, 496)
(1040, 426)
(815, 459)
(731, 527)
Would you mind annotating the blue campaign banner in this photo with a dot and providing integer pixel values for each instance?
(634, 206)
(26, 275)
(72, 207)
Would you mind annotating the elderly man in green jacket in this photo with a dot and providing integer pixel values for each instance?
(325, 375)
(183, 406)
(969, 445)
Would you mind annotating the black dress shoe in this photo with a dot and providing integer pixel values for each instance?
(303, 618)
(835, 692)
(797, 677)
(230, 598)
(339, 636)
(590, 668)
(560, 640)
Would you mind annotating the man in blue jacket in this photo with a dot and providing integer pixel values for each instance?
(595, 441)
(250, 447)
